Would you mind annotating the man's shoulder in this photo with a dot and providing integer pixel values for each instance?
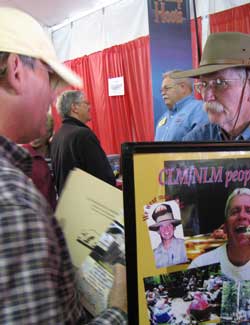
(204, 132)
(191, 101)
(159, 248)
(208, 258)
(197, 106)
(74, 127)
(72, 131)
(194, 107)
(179, 243)
(16, 188)
(196, 101)
(83, 131)
(245, 135)
(9, 170)
(178, 240)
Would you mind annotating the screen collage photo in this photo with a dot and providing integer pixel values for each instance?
(184, 227)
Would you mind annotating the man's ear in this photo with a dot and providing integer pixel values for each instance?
(74, 109)
(15, 74)
(183, 86)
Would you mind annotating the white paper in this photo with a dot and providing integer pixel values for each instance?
(116, 86)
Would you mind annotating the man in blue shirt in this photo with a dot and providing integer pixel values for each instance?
(224, 85)
(183, 113)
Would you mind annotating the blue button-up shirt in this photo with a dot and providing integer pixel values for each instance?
(213, 132)
(180, 120)
(174, 254)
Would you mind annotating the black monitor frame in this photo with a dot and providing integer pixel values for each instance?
(129, 151)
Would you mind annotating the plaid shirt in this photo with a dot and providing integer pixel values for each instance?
(37, 280)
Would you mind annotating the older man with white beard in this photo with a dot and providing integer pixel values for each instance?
(225, 88)
(183, 112)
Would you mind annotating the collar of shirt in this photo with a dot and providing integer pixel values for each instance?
(245, 135)
(181, 103)
(73, 120)
(17, 156)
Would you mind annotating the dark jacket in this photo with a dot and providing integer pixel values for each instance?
(76, 146)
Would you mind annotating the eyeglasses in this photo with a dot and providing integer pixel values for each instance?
(218, 84)
(83, 103)
(167, 88)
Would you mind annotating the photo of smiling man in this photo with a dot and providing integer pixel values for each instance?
(171, 249)
(234, 256)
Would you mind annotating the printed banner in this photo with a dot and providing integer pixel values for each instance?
(170, 43)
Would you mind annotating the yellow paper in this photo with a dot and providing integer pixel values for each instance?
(86, 208)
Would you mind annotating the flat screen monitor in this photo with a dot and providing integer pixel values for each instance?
(179, 223)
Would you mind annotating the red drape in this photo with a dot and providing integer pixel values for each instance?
(236, 19)
(195, 60)
(121, 118)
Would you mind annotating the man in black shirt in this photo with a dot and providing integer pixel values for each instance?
(75, 145)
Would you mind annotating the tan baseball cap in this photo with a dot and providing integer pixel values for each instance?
(22, 34)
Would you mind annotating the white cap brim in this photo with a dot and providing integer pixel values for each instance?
(65, 73)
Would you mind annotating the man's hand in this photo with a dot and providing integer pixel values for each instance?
(118, 293)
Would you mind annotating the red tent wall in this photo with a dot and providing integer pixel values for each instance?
(121, 118)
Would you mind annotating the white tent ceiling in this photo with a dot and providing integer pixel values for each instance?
(53, 12)
(81, 27)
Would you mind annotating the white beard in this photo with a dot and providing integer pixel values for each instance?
(213, 107)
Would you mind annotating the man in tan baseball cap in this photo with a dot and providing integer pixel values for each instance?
(25, 47)
(37, 279)
(25, 36)
(224, 86)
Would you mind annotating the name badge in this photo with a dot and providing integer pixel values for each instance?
(163, 121)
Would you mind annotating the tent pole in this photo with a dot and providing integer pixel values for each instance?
(197, 32)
